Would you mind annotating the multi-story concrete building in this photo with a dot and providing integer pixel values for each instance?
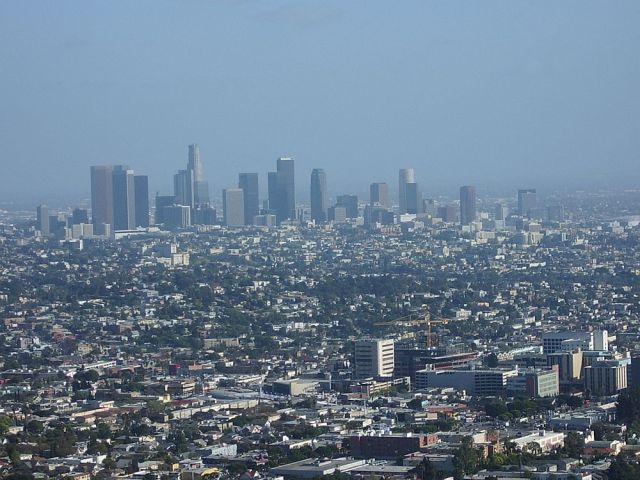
(606, 377)
(373, 358)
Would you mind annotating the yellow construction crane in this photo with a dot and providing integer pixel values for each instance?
(409, 321)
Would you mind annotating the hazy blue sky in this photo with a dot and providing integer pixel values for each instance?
(491, 93)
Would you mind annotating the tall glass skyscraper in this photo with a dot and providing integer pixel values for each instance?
(406, 191)
(527, 201)
(379, 194)
(248, 182)
(101, 195)
(467, 204)
(319, 202)
(286, 190)
(124, 203)
(200, 185)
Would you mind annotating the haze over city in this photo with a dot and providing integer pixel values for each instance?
(497, 94)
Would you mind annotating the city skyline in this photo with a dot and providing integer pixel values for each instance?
(450, 98)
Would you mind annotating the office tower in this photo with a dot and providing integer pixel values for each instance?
(502, 211)
(101, 195)
(555, 213)
(429, 207)
(233, 207)
(413, 198)
(286, 190)
(319, 202)
(337, 214)
(272, 191)
(183, 188)
(205, 215)
(141, 188)
(79, 216)
(527, 201)
(248, 182)
(373, 358)
(379, 194)
(200, 185)
(467, 204)
(448, 213)
(42, 213)
(124, 209)
(177, 216)
(606, 377)
(350, 203)
(405, 176)
(162, 201)
(266, 220)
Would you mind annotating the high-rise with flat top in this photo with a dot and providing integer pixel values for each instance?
(467, 204)
(286, 190)
(379, 195)
(101, 195)
(248, 182)
(124, 204)
(410, 199)
(43, 220)
(141, 187)
(373, 357)
(233, 207)
(319, 202)
(405, 176)
(527, 201)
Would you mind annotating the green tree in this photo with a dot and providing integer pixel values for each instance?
(5, 424)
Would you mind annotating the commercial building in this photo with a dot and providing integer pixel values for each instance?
(141, 195)
(473, 382)
(571, 341)
(606, 377)
(467, 204)
(407, 361)
(319, 201)
(527, 201)
(200, 185)
(389, 446)
(406, 176)
(101, 195)
(42, 214)
(248, 182)
(177, 216)
(315, 468)
(379, 195)
(233, 207)
(535, 383)
(350, 203)
(124, 198)
(285, 190)
(373, 358)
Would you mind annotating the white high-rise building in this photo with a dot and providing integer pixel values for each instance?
(373, 358)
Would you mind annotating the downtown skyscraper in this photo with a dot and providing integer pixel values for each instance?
(101, 196)
(467, 204)
(119, 199)
(189, 186)
(200, 185)
(319, 200)
(527, 201)
(282, 190)
(409, 199)
(248, 182)
(379, 195)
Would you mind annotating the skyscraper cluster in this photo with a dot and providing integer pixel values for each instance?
(119, 199)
